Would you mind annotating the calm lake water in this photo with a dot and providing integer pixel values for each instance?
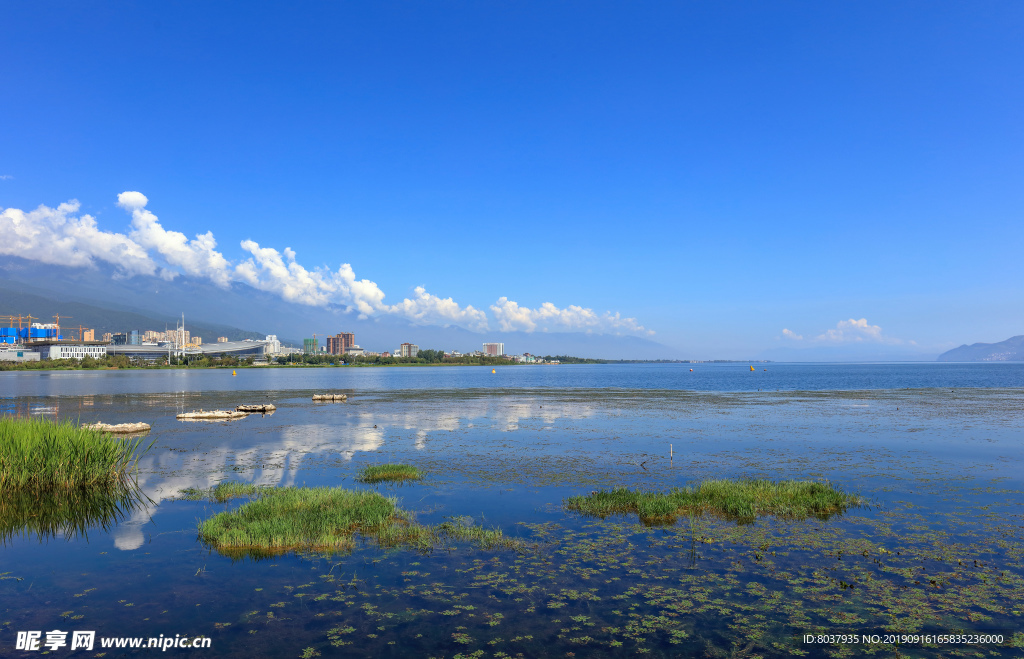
(936, 450)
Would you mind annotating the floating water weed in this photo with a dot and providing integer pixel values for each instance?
(40, 455)
(742, 500)
(389, 472)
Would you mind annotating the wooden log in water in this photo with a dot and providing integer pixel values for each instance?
(212, 415)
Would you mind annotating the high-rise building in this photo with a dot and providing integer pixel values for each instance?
(222, 339)
(309, 346)
(494, 349)
(108, 337)
(408, 350)
(88, 335)
(273, 345)
(152, 336)
(340, 342)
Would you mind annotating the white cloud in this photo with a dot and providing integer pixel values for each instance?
(427, 309)
(855, 331)
(790, 334)
(270, 270)
(5, 177)
(512, 317)
(196, 257)
(58, 236)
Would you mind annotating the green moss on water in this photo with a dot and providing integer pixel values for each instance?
(743, 500)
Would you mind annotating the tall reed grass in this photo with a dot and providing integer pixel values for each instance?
(40, 455)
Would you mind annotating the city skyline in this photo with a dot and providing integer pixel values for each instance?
(799, 182)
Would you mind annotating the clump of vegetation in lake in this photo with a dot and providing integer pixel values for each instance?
(222, 492)
(40, 456)
(742, 500)
(389, 473)
(323, 518)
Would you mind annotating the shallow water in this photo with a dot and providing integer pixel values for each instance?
(937, 548)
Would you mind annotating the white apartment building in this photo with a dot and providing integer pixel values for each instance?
(494, 349)
(72, 352)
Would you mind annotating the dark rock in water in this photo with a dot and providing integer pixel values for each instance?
(1010, 350)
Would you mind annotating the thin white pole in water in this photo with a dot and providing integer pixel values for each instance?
(669, 450)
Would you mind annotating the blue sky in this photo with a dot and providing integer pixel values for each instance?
(718, 172)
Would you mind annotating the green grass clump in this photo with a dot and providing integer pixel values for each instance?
(42, 456)
(389, 472)
(742, 500)
(222, 492)
(322, 518)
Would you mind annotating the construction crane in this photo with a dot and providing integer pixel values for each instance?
(56, 318)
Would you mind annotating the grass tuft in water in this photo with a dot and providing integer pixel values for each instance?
(322, 518)
(43, 456)
(742, 500)
(389, 472)
(222, 492)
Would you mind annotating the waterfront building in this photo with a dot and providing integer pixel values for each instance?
(224, 339)
(273, 345)
(60, 351)
(494, 349)
(309, 346)
(408, 350)
(341, 342)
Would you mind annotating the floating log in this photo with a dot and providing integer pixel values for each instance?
(213, 415)
(256, 409)
(334, 398)
(118, 427)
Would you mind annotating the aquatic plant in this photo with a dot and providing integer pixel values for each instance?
(322, 518)
(40, 456)
(66, 513)
(742, 500)
(222, 492)
(389, 472)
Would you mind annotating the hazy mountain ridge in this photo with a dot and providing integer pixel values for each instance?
(14, 301)
(1010, 350)
(145, 299)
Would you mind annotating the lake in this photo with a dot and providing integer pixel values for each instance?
(934, 450)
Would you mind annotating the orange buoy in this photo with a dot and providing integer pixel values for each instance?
(234, 373)
(493, 371)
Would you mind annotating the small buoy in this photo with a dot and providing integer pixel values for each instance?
(234, 373)
(691, 370)
(766, 369)
(493, 371)
(751, 368)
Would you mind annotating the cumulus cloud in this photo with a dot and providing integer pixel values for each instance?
(59, 236)
(5, 177)
(278, 272)
(427, 309)
(855, 331)
(512, 317)
(196, 257)
(790, 334)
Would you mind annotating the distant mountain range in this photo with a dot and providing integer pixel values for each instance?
(1010, 350)
(78, 314)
